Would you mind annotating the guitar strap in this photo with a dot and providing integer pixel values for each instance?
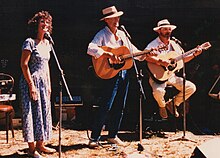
(122, 40)
(125, 42)
(175, 47)
(122, 73)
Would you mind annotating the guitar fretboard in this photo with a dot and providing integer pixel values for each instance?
(127, 56)
(204, 46)
(185, 54)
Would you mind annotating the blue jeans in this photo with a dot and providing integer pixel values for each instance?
(113, 102)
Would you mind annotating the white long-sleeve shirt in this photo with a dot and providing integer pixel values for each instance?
(106, 38)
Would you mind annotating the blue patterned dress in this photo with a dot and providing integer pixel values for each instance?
(36, 115)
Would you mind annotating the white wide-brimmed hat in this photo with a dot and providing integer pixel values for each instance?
(164, 23)
(110, 12)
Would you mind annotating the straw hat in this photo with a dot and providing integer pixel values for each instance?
(111, 12)
(164, 23)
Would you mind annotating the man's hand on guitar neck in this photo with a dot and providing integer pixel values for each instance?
(198, 51)
(113, 59)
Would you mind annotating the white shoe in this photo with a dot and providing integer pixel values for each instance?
(93, 144)
(116, 140)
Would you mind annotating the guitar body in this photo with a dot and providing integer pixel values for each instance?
(161, 74)
(104, 69)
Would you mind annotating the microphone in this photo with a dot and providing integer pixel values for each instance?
(48, 37)
(176, 40)
(125, 31)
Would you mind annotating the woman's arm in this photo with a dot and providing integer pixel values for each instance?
(25, 57)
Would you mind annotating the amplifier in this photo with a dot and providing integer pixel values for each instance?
(77, 101)
(68, 107)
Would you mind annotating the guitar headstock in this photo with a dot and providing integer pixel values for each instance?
(205, 45)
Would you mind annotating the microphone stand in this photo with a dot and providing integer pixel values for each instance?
(184, 99)
(62, 81)
(139, 79)
(210, 94)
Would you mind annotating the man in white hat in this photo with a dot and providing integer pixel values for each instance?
(114, 92)
(161, 61)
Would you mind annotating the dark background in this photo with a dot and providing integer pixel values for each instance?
(75, 23)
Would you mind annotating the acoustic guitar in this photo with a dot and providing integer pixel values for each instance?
(107, 70)
(161, 74)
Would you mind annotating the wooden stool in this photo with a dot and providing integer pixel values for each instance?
(170, 96)
(8, 111)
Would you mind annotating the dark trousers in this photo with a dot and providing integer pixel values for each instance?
(113, 102)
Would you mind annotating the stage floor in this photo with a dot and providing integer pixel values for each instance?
(74, 144)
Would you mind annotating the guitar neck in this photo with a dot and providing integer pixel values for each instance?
(127, 56)
(185, 54)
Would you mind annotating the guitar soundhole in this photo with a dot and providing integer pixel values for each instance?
(116, 66)
(170, 68)
(121, 58)
(172, 65)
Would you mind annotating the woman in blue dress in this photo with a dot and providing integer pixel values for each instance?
(35, 85)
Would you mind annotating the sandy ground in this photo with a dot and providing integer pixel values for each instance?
(74, 144)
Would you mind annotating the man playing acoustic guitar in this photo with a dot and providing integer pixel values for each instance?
(114, 83)
(162, 67)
